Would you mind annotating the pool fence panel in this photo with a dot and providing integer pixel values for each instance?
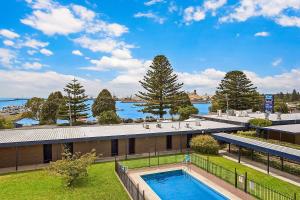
(240, 181)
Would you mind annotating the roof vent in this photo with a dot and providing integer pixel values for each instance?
(158, 125)
(146, 126)
(198, 123)
(187, 125)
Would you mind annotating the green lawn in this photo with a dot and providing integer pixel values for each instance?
(102, 183)
(259, 177)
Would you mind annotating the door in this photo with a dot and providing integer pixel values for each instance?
(169, 142)
(114, 147)
(47, 153)
(188, 140)
(131, 146)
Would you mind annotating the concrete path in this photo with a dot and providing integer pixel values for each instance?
(263, 168)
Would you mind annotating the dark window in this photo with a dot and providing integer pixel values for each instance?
(131, 144)
(69, 147)
(114, 147)
(169, 142)
(188, 140)
(47, 153)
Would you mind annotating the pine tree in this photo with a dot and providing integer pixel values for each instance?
(104, 102)
(74, 102)
(294, 96)
(161, 87)
(238, 90)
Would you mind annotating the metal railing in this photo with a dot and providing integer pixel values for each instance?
(240, 181)
(133, 190)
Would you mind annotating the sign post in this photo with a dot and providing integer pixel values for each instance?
(269, 103)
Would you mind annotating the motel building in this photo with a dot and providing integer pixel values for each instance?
(35, 146)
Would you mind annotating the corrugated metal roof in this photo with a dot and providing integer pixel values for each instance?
(273, 149)
(67, 134)
(290, 128)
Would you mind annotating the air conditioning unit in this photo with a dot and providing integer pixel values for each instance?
(158, 125)
(147, 126)
(187, 125)
(198, 123)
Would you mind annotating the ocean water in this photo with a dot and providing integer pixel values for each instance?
(179, 185)
(124, 110)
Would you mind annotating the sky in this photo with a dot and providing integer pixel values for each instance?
(44, 44)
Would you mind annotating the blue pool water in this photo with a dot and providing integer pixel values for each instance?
(179, 185)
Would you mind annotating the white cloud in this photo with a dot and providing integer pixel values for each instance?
(9, 34)
(20, 83)
(193, 14)
(35, 44)
(7, 57)
(150, 15)
(213, 5)
(97, 45)
(122, 53)
(275, 10)
(8, 43)
(83, 12)
(152, 2)
(31, 52)
(108, 29)
(262, 34)
(77, 53)
(277, 62)
(33, 66)
(172, 7)
(46, 52)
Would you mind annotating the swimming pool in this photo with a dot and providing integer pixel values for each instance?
(177, 184)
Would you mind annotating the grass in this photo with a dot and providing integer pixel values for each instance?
(102, 183)
(259, 177)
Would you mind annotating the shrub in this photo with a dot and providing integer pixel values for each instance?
(260, 122)
(281, 107)
(186, 111)
(5, 124)
(205, 144)
(247, 133)
(72, 167)
(109, 117)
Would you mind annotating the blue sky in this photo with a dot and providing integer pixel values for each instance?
(110, 44)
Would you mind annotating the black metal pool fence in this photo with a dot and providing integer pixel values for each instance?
(240, 181)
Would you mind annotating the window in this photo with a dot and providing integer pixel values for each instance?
(69, 147)
(169, 142)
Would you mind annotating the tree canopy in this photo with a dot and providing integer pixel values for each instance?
(35, 106)
(239, 91)
(161, 87)
(104, 102)
(73, 102)
(50, 108)
(182, 100)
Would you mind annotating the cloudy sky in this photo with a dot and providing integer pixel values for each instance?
(109, 44)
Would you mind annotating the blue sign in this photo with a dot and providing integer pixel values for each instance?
(269, 103)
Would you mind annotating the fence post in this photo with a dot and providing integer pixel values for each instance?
(158, 158)
(235, 178)
(138, 192)
(246, 179)
(115, 164)
(149, 160)
(295, 196)
(143, 195)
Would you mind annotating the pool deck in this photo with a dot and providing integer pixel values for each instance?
(210, 180)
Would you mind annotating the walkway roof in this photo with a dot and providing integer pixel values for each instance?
(272, 149)
(290, 128)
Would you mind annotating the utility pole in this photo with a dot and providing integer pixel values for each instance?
(70, 115)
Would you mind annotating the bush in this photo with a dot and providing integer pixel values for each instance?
(186, 112)
(247, 133)
(72, 167)
(260, 122)
(5, 124)
(205, 144)
(109, 117)
(281, 107)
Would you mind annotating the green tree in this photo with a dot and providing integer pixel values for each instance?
(104, 102)
(181, 100)
(161, 87)
(109, 117)
(50, 108)
(72, 167)
(281, 106)
(294, 96)
(5, 124)
(238, 90)
(186, 111)
(74, 102)
(35, 106)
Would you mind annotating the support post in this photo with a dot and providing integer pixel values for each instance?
(252, 154)
(268, 167)
(149, 159)
(228, 147)
(281, 159)
(239, 155)
(17, 158)
(180, 143)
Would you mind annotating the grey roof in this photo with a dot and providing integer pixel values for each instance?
(290, 128)
(291, 118)
(273, 149)
(19, 137)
